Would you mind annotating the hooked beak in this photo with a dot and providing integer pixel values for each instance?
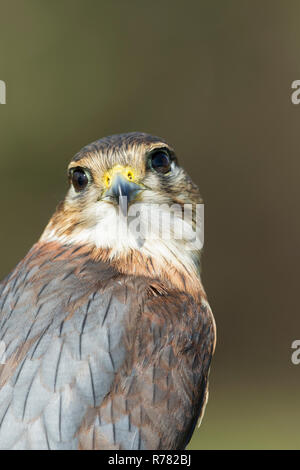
(123, 192)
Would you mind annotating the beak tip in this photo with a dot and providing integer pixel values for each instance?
(123, 205)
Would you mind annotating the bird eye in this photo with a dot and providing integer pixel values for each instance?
(79, 179)
(160, 162)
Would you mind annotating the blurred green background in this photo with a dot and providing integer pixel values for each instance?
(214, 78)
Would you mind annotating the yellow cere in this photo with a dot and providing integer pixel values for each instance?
(126, 171)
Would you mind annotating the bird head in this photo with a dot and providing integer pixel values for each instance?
(123, 190)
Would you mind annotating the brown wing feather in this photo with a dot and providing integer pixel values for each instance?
(161, 388)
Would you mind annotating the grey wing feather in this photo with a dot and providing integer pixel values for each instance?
(63, 341)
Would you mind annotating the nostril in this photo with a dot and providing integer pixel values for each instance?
(130, 176)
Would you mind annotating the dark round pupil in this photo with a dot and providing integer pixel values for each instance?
(161, 162)
(79, 179)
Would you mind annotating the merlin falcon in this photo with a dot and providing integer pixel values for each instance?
(108, 333)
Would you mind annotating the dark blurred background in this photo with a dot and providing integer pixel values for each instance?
(214, 78)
